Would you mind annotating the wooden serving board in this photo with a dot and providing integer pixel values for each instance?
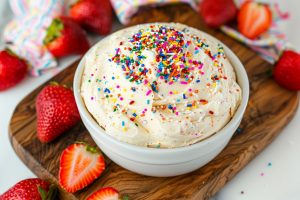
(270, 109)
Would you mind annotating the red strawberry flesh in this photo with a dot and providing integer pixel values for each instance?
(254, 19)
(107, 193)
(80, 165)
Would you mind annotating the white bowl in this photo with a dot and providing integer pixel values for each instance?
(164, 162)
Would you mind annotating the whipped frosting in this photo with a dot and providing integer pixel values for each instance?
(160, 85)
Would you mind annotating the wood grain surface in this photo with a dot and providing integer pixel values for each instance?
(270, 109)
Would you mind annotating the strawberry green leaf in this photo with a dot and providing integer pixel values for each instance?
(54, 83)
(11, 52)
(88, 148)
(42, 192)
(50, 195)
(269, 72)
(52, 192)
(91, 149)
(54, 31)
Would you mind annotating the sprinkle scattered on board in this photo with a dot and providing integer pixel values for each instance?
(239, 130)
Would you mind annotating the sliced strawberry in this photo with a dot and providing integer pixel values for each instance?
(287, 70)
(254, 19)
(107, 193)
(80, 165)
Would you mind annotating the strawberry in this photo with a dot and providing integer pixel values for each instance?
(65, 37)
(56, 112)
(107, 193)
(30, 189)
(217, 12)
(12, 69)
(80, 165)
(94, 15)
(287, 70)
(254, 19)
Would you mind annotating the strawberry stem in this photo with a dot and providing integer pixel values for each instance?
(42, 192)
(89, 148)
(11, 52)
(54, 83)
(125, 197)
(54, 31)
(52, 192)
(50, 195)
(269, 72)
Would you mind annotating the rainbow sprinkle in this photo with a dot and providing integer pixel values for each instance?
(174, 63)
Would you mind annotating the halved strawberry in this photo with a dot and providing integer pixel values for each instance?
(254, 19)
(107, 193)
(80, 165)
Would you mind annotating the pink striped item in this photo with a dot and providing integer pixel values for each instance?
(25, 33)
(270, 44)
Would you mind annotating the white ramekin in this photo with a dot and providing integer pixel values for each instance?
(165, 162)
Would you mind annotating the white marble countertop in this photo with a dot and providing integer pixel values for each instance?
(274, 174)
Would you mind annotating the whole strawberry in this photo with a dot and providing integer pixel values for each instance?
(65, 37)
(287, 70)
(56, 112)
(30, 189)
(80, 165)
(254, 19)
(12, 69)
(216, 13)
(94, 15)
